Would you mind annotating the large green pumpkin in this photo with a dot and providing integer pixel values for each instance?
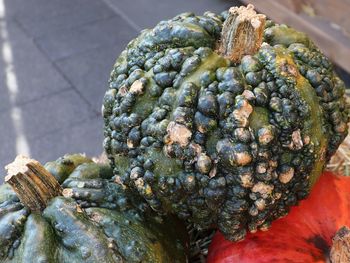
(219, 138)
(95, 221)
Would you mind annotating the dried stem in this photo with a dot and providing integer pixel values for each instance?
(34, 185)
(242, 33)
(340, 251)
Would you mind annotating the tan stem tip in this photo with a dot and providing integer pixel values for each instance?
(33, 184)
(340, 251)
(19, 165)
(242, 33)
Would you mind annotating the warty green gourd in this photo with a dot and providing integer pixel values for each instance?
(75, 213)
(224, 120)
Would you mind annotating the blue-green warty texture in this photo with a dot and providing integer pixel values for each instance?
(222, 144)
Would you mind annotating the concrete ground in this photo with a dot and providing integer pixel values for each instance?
(55, 61)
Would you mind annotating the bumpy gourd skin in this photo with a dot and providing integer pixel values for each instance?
(106, 227)
(217, 143)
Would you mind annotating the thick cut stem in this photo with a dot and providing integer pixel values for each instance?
(242, 33)
(34, 185)
(340, 251)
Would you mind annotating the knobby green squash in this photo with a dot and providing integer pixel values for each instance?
(225, 120)
(94, 221)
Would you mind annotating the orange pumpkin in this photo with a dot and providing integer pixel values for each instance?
(307, 234)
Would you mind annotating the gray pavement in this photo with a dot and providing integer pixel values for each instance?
(55, 59)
